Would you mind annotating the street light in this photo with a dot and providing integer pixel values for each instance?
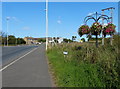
(96, 17)
(8, 18)
(46, 24)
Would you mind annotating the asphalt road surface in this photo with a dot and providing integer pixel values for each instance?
(10, 53)
(25, 66)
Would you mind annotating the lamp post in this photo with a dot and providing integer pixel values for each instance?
(46, 24)
(96, 17)
(8, 18)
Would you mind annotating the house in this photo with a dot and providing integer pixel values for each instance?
(60, 40)
(56, 40)
(31, 40)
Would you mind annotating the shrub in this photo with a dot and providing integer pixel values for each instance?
(85, 65)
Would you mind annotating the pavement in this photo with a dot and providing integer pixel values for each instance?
(28, 70)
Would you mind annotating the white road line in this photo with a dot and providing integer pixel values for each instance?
(17, 60)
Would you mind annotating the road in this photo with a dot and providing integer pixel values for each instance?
(12, 52)
(25, 66)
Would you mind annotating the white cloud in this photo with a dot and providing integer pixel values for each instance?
(26, 28)
(59, 22)
(8, 18)
(90, 13)
(13, 19)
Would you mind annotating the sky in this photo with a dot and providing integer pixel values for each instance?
(28, 18)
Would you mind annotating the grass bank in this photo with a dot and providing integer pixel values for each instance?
(85, 65)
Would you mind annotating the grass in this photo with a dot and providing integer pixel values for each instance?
(85, 65)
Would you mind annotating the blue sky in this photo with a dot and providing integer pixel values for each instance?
(28, 19)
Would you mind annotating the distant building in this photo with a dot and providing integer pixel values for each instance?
(31, 40)
(60, 40)
(56, 40)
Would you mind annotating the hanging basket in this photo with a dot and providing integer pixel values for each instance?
(109, 29)
(95, 29)
(84, 29)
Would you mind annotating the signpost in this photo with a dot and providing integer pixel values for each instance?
(65, 53)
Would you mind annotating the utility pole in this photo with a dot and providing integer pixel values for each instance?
(111, 14)
(46, 24)
(8, 18)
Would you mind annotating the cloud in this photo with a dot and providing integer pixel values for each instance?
(13, 19)
(26, 28)
(59, 22)
(91, 13)
(8, 18)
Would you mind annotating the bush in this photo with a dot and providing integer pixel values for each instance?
(85, 65)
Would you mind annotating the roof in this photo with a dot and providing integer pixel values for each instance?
(31, 38)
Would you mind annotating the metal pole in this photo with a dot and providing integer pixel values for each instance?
(102, 28)
(111, 12)
(97, 40)
(16, 41)
(7, 29)
(46, 24)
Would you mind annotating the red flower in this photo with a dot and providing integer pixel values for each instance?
(109, 29)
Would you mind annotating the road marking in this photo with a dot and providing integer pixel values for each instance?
(17, 60)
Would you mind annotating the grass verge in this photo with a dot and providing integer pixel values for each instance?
(85, 65)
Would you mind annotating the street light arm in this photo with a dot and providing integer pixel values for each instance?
(103, 17)
(88, 18)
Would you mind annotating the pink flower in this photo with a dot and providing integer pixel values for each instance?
(109, 22)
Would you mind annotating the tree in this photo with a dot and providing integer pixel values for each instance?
(11, 39)
(20, 41)
(67, 40)
(41, 40)
(3, 34)
(73, 38)
(3, 38)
